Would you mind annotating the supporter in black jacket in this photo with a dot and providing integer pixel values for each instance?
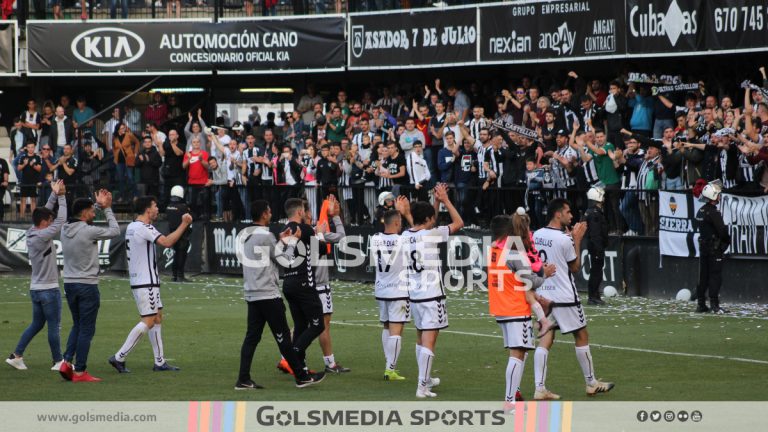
(597, 242)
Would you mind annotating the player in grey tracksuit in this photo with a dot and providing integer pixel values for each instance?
(261, 290)
(335, 232)
(44, 286)
(79, 243)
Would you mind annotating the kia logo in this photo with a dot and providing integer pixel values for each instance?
(108, 47)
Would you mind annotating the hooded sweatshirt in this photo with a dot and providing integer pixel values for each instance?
(41, 250)
(321, 271)
(260, 271)
(79, 241)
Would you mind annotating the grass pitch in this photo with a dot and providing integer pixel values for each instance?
(653, 350)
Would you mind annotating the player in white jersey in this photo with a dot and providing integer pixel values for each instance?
(140, 239)
(561, 247)
(425, 279)
(391, 289)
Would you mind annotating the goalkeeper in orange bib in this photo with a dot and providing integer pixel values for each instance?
(510, 278)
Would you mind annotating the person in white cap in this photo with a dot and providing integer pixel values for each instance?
(597, 241)
(386, 202)
(177, 207)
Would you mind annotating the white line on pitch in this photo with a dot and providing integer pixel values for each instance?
(706, 356)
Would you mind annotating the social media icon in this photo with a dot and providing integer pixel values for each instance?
(682, 416)
(655, 416)
(642, 416)
(669, 416)
(696, 416)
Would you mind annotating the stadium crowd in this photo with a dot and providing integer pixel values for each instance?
(496, 148)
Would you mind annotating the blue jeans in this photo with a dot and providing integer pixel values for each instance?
(673, 184)
(660, 124)
(243, 191)
(83, 301)
(46, 308)
(125, 180)
(631, 211)
(123, 8)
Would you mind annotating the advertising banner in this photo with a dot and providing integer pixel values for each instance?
(419, 38)
(665, 26)
(179, 47)
(9, 43)
(553, 31)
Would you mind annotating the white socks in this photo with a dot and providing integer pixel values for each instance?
(538, 310)
(540, 367)
(384, 339)
(156, 339)
(329, 360)
(514, 376)
(133, 338)
(392, 351)
(425, 359)
(585, 361)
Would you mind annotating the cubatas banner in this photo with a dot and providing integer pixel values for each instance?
(664, 26)
(413, 38)
(552, 30)
(112, 47)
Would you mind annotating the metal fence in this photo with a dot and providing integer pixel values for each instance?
(627, 212)
(212, 9)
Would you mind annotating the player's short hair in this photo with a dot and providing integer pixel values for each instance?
(141, 204)
(501, 225)
(79, 205)
(258, 208)
(421, 211)
(292, 206)
(599, 131)
(556, 205)
(390, 216)
(41, 214)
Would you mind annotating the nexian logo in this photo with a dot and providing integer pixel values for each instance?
(673, 23)
(108, 47)
(562, 41)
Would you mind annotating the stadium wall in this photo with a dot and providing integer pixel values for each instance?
(633, 265)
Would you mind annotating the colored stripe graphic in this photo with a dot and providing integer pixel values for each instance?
(216, 422)
(567, 414)
(205, 416)
(543, 417)
(240, 417)
(519, 416)
(192, 418)
(530, 418)
(229, 417)
(555, 416)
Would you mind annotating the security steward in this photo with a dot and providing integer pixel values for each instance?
(177, 207)
(714, 240)
(597, 242)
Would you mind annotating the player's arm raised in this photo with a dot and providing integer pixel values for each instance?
(172, 238)
(578, 234)
(404, 207)
(441, 196)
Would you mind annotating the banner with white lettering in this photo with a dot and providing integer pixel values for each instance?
(551, 30)
(663, 26)
(747, 220)
(678, 229)
(157, 47)
(736, 24)
(413, 38)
